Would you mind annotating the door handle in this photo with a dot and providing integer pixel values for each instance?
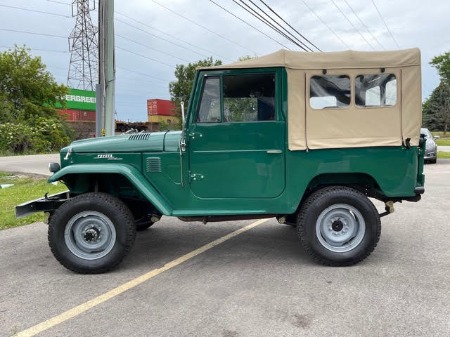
(274, 151)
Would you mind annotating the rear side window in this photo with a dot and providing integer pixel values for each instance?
(329, 91)
(376, 90)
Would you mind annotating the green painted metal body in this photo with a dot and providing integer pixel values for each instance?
(233, 168)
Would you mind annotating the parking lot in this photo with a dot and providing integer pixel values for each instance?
(257, 283)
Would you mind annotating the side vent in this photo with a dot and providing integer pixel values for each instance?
(140, 136)
(153, 165)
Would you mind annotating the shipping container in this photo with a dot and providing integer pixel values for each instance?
(77, 115)
(161, 118)
(160, 107)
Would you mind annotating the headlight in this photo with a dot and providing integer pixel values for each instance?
(53, 167)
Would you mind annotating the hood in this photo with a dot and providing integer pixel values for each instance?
(138, 142)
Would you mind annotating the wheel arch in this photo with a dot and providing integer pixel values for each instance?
(81, 178)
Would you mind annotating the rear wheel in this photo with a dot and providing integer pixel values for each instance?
(91, 233)
(338, 226)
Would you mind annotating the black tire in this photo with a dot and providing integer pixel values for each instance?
(91, 233)
(338, 226)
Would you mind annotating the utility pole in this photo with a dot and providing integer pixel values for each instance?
(107, 70)
(83, 73)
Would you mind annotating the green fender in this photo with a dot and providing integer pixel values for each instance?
(131, 173)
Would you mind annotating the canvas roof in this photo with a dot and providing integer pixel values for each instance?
(349, 59)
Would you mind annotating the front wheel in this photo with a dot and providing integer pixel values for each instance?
(91, 233)
(338, 226)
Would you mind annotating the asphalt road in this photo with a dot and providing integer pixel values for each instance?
(33, 164)
(259, 283)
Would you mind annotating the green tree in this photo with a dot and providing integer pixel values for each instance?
(436, 109)
(181, 88)
(442, 64)
(28, 93)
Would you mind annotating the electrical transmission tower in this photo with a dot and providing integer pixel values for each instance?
(83, 42)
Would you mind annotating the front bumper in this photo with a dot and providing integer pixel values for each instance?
(45, 204)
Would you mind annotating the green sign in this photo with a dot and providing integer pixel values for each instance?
(80, 100)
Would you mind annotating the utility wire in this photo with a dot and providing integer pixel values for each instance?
(295, 30)
(149, 47)
(263, 19)
(324, 22)
(32, 33)
(351, 23)
(36, 11)
(159, 37)
(364, 25)
(165, 33)
(382, 19)
(206, 28)
(248, 24)
(39, 49)
(146, 57)
(255, 14)
(141, 74)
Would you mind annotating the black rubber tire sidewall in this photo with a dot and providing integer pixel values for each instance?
(321, 200)
(112, 208)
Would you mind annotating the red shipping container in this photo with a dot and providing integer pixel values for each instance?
(161, 107)
(77, 115)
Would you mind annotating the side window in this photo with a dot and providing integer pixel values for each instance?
(376, 90)
(248, 98)
(329, 91)
(209, 111)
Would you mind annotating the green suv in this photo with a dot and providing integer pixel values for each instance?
(306, 138)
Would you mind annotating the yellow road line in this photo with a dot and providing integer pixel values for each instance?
(78, 310)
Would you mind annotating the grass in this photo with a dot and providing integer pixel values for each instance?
(443, 155)
(443, 140)
(24, 188)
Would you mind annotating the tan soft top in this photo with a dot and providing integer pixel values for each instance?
(352, 126)
(348, 59)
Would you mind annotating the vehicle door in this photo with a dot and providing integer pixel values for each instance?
(236, 139)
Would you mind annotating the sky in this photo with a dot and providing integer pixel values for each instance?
(153, 36)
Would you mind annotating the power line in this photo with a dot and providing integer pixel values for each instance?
(324, 22)
(261, 18)
(295, 30)
(159, 37)
(32, 33)
(149, 47)
(363, 24)
(35, 11)
(141, 74)
(171, 36)
(382, 19)
(39, 49)
(351, 23)
(206, 28)
(144, 56)
(248, 24)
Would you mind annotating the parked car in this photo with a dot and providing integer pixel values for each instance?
(430, 147)
(306, 138)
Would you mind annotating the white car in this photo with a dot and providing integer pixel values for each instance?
(431, 147)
